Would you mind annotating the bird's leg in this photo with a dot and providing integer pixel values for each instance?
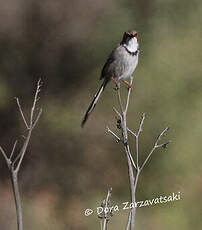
(116, 82)
(128, 84)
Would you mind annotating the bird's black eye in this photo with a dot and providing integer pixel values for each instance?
(130, 35)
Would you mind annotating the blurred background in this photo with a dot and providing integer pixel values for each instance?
(68, 169)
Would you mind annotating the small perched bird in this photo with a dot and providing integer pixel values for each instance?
(119, 66)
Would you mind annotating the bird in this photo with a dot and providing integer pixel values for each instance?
(120, 65)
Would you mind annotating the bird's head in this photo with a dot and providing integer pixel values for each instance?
(130, 40)
(131, 34)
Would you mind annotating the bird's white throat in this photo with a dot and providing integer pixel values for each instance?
(132, 45)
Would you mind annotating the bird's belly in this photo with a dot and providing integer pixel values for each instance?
(129, 67)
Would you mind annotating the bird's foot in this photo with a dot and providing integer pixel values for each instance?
(128, 84)
(116, 83)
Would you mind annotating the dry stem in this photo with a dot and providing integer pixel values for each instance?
(132, 166)
(14, 162)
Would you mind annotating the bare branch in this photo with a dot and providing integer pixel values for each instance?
(38, 89)
(163, 133)
(137, 139)
(23, 150)
(122, 125)
(4, 154)
(130, 160)
(147, 158)
(31, 127)
(128, 97)
(118, 139)
(129, 221)
(130, 131)
(8, 161)
(127, 148)
(141, 124)
(164, 145)
(37, 119)
(120, 101)
(105, 215)
(16, 159)
(107, 200)
(21, 112)
(13, 150)
(117, 112)
(109, 193)
(132, 189)
(156, 145)
(14, 179)
(19, 158)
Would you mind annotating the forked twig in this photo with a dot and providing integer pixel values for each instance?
(122, 125)
(118, 139)
(156, 145)
(107, 212)
(21, 112)
(14, 162)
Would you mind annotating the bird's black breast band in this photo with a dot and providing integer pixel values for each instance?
(131, 53)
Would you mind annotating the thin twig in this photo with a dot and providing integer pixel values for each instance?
(137, 139)
(163, 133)
(129, 221)
(37, 118)
(8, 161)
(130, 160)
(31, 126)
(21, 112)
(23, 150)
(3, 153)
(106, 206)
(117, 112)
(156, 145)
(141, 124)
(164, 145)
(107, 212)
(13, 150)
(130, 131)
(39, 84)
(127, 148)
(128, 97)
(14, 180)
(16, 159)
(120, 102)
(122, 125)
(132, 190)
(135, 188)
(118, 139)
(19, 158)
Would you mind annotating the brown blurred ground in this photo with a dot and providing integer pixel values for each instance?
(66, 169)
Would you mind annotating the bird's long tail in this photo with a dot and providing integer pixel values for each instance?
(94, 102)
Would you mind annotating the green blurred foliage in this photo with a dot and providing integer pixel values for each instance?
(66, 169)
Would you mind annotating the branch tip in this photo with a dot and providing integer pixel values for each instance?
(143, 115)
(165, 145)
(39, 83)
(117, 112)
(13, 150)
(3, 153)
(108, 130)
(166, 130)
